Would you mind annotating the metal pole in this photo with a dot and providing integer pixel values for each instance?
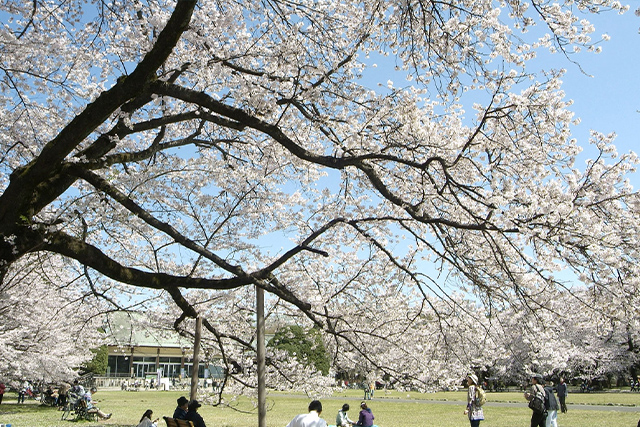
(262, 392)
(196, 357)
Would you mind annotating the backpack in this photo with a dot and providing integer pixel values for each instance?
(537, 402)
(481, 396)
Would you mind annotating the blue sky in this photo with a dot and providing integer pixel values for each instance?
(609, 99)
(605, 86)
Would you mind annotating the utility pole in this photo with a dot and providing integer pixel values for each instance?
(196, 359)
(262, 392)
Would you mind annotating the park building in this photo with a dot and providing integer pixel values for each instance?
(139, 353)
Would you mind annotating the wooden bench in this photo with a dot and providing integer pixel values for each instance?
(174, 422)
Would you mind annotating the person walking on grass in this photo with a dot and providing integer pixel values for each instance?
(538, 414)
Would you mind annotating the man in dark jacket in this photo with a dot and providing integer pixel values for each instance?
(551, 404)
(194, 416)
(562, 395)
(181, 411)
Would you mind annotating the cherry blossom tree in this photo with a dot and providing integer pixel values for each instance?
(565, 339)
(191, 150)
(48, 325)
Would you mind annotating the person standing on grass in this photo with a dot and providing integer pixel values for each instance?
(311, 419)
(552, 406)
(562, 395)
(474, 410)
(63, 394)
(23, 390)
(538, 419)
(2, 389)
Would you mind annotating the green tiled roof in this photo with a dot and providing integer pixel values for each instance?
(135, 329)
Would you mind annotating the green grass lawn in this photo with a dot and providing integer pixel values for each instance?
(391, 409)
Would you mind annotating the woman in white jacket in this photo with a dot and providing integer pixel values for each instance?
(145, 421)
(342, 420)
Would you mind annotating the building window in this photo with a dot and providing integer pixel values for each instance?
(118, 366)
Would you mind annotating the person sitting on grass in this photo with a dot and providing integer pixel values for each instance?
(145, 421)
(310, 419)
(366, 416)
(342, 420)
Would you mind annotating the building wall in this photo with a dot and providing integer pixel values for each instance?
(144, 362)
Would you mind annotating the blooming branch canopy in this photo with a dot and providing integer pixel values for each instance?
(194, 149)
